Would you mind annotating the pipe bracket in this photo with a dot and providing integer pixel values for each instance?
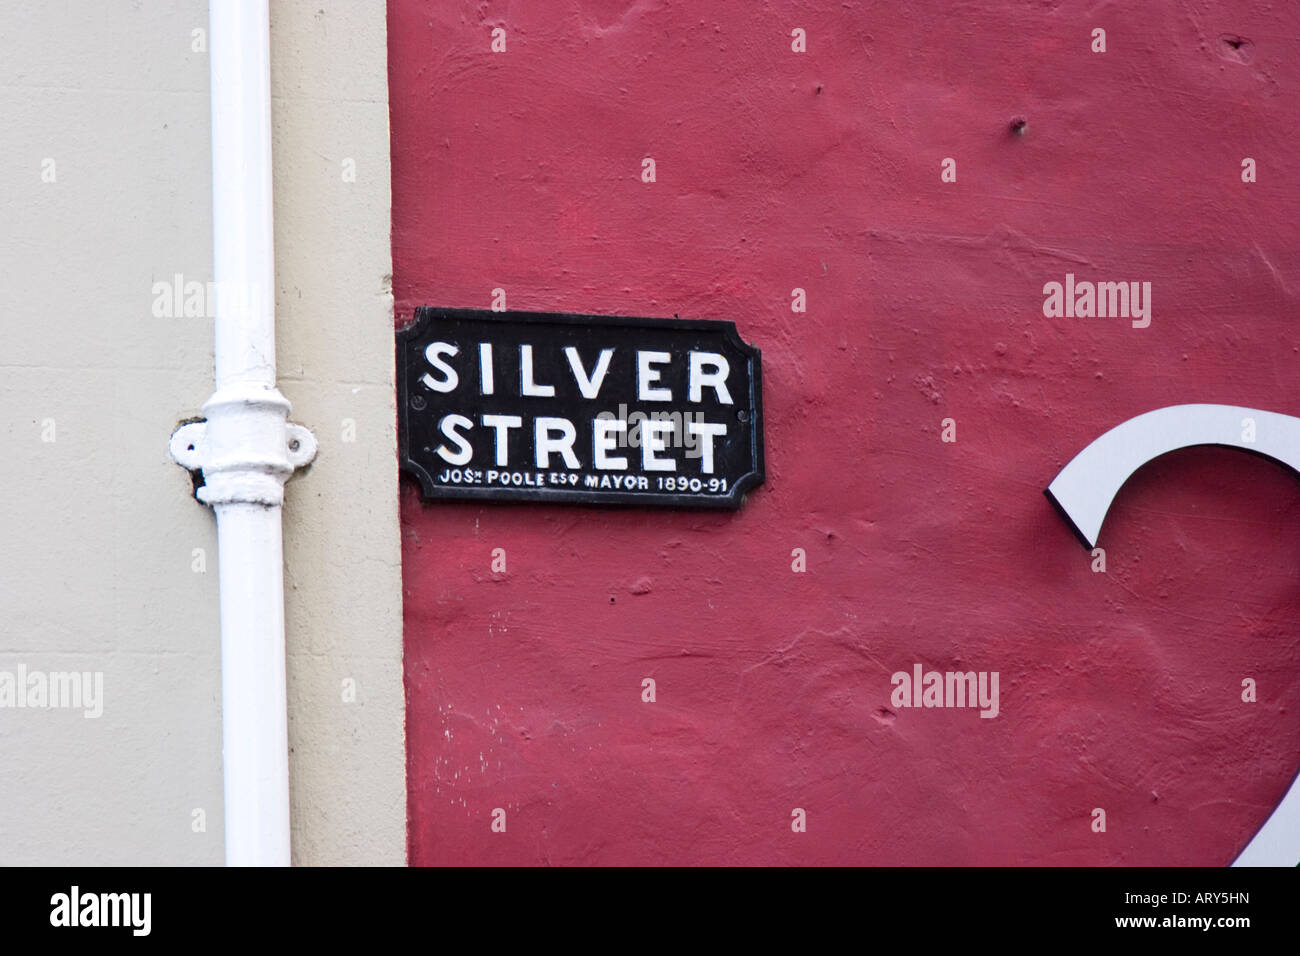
(246, 449)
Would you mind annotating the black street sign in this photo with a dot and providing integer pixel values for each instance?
(527, 406)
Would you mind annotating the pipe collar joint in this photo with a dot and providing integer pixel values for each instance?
(246, 448)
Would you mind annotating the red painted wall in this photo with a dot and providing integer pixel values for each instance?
(821, 170)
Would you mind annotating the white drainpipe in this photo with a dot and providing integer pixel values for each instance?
(246, 448)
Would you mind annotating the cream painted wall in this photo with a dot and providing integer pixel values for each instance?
(108, 564)
(343, 598)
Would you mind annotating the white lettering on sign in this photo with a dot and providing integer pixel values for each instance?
(706, 432)
(448, 427)
(647, 375)
(553, 435)
(557, 436)
(502, 424)
(485, 367)
(527, 385)
(449, 379)
(652, 441)
(589, 385)
(716, 379)
(604, 442)
(704, 370)
(546, 445)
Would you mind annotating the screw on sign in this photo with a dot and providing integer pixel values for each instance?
(1085, 488)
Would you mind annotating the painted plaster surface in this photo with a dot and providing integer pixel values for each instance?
(775, 170)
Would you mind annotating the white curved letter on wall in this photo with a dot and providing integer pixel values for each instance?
(1085, 488)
